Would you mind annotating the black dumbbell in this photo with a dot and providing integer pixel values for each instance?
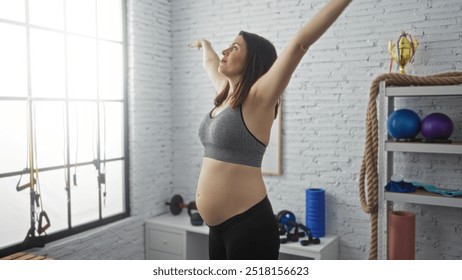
(177, 204)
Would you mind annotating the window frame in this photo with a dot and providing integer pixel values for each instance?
(72, 230)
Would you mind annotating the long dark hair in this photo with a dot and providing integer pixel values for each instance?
(261, 55)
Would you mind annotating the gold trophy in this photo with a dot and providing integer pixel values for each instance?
(403, 51)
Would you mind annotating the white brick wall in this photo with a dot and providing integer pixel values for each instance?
(323, 112)
(325, 103)
(150, 110)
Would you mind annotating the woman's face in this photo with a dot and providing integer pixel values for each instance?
(233, 62)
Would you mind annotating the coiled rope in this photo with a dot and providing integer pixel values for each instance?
(369, 164)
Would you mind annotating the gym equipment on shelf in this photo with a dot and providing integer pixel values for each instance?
(286, 219)
(403, 124)
(177, 204)
(368, 175)
(289, 229)
(310, 239)
(196, 219)
(315, 211)
(437, 126)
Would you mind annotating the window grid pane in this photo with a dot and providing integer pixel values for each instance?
(14, 223)
(47, 63)
(12, 10)
(61, 66)
(78, 9)
(85, 195)
(82, 64)
(13, 61)
(110, 67)
(13, 142)
(114, 189)
(47, 13)
(109, 14)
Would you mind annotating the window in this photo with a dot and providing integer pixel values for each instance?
(62, 119)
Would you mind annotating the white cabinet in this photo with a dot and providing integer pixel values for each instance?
(164, 244)
(388, 147)
(170, 237)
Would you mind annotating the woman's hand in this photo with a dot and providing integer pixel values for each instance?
(198, 44)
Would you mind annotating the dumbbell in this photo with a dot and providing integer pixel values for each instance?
(177, 204)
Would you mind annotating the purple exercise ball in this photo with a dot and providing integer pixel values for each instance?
(437, 126)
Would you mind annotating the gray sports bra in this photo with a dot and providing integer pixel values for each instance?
(226, 138)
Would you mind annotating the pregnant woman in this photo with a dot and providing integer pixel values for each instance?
(249, 80)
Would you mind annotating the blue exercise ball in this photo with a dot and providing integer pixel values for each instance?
(437, 126)
(403, 124)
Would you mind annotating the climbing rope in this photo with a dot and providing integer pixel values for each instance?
(369, 164)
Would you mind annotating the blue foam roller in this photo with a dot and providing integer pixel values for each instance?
(315, 211)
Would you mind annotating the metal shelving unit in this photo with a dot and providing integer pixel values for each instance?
(387, 148)
(419, 147)
(424, 197)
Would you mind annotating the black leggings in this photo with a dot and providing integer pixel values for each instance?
(251, 235)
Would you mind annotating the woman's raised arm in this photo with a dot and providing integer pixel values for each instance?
(270, 86)
(211, 62)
